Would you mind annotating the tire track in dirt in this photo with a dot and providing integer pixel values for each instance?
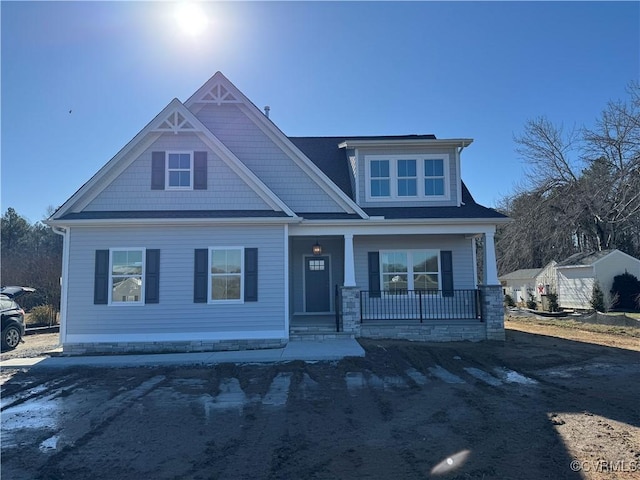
(102, 416)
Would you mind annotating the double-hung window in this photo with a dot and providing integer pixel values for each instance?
(179, 170)
(126, 274)
(433, 177)
(407, 177)
(226, 274)
(380, 178)
(409, 270)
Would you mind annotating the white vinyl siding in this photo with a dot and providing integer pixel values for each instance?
(177, 316)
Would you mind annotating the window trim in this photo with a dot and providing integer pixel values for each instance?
(237, 301)
(420, 177)
(167, 186)
(410, 272)
(141, 300)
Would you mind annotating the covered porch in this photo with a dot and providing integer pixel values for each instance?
(330, 282)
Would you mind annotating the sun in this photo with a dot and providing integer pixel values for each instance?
(190, 18)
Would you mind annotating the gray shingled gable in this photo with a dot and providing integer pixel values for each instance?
(583, 258)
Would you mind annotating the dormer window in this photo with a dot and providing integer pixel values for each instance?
(434, 177)
(407, 177)
(380, 180)
(407, 180)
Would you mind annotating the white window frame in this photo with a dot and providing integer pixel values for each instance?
(168, 170)
(210, 276)
(141, 300)
(420, 177)
(410, 272)
(370, 178)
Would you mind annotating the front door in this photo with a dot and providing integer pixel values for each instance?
(317, 284)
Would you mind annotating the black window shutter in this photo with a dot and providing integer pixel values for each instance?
(152, 276)
(374, 274)
(200, 275)
(250, 274)
(199, 170)
(101, 278)
(157, 170)
(446, 262)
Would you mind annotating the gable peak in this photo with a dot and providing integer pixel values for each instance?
(174, 119)
(217, 90)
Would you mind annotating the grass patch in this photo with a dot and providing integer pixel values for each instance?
(630, 332)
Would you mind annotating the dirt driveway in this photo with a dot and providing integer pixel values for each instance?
(523, 409)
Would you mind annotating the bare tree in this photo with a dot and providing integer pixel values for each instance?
(582, 191)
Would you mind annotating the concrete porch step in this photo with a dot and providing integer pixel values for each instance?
(319, 336)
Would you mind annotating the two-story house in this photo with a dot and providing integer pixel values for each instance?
(211, 229)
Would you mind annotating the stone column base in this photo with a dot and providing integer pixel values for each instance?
(493, 311)
(350, 310)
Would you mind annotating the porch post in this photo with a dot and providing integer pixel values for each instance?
(490, 268)
(492, 307)
(349, 263)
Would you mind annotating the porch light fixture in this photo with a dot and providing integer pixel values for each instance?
(317, 248)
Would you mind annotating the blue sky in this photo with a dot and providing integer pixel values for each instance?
(455, 69)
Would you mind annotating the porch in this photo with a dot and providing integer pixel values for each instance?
(339, 284)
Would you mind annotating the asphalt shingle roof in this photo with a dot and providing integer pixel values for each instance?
(325, 154)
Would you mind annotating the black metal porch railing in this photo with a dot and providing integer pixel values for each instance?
(420, 305)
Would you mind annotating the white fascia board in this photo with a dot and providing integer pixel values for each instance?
(154, 222)
(145, 139)
(87, 192)
(367, 228)
(236, 165)
(574, 266)
(424, 142)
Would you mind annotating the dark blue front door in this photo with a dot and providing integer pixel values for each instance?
(317, 291)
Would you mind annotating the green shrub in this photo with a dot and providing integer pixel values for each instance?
(42, 316)
(508, 301)
(553, 302)
(531, 303)
(597, 298)
(625, 289)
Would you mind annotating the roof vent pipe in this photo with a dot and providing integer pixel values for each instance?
(266, 110)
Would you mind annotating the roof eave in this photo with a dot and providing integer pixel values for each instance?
(113, 222)
(445, 142)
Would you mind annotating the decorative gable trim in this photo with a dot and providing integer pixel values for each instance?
(215, 91)
(176, 123)
(183, 120)
(198, 99)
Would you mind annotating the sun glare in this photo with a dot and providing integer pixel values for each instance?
(191, 18)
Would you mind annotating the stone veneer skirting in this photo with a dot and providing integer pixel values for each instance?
(171, 347)
(445, 332)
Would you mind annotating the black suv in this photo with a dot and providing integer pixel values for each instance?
(12, 316)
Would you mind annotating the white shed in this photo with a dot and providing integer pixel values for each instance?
(520, 284)
(577, 275)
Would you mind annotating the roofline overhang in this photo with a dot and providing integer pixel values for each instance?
(423, 142)
(151, 222)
